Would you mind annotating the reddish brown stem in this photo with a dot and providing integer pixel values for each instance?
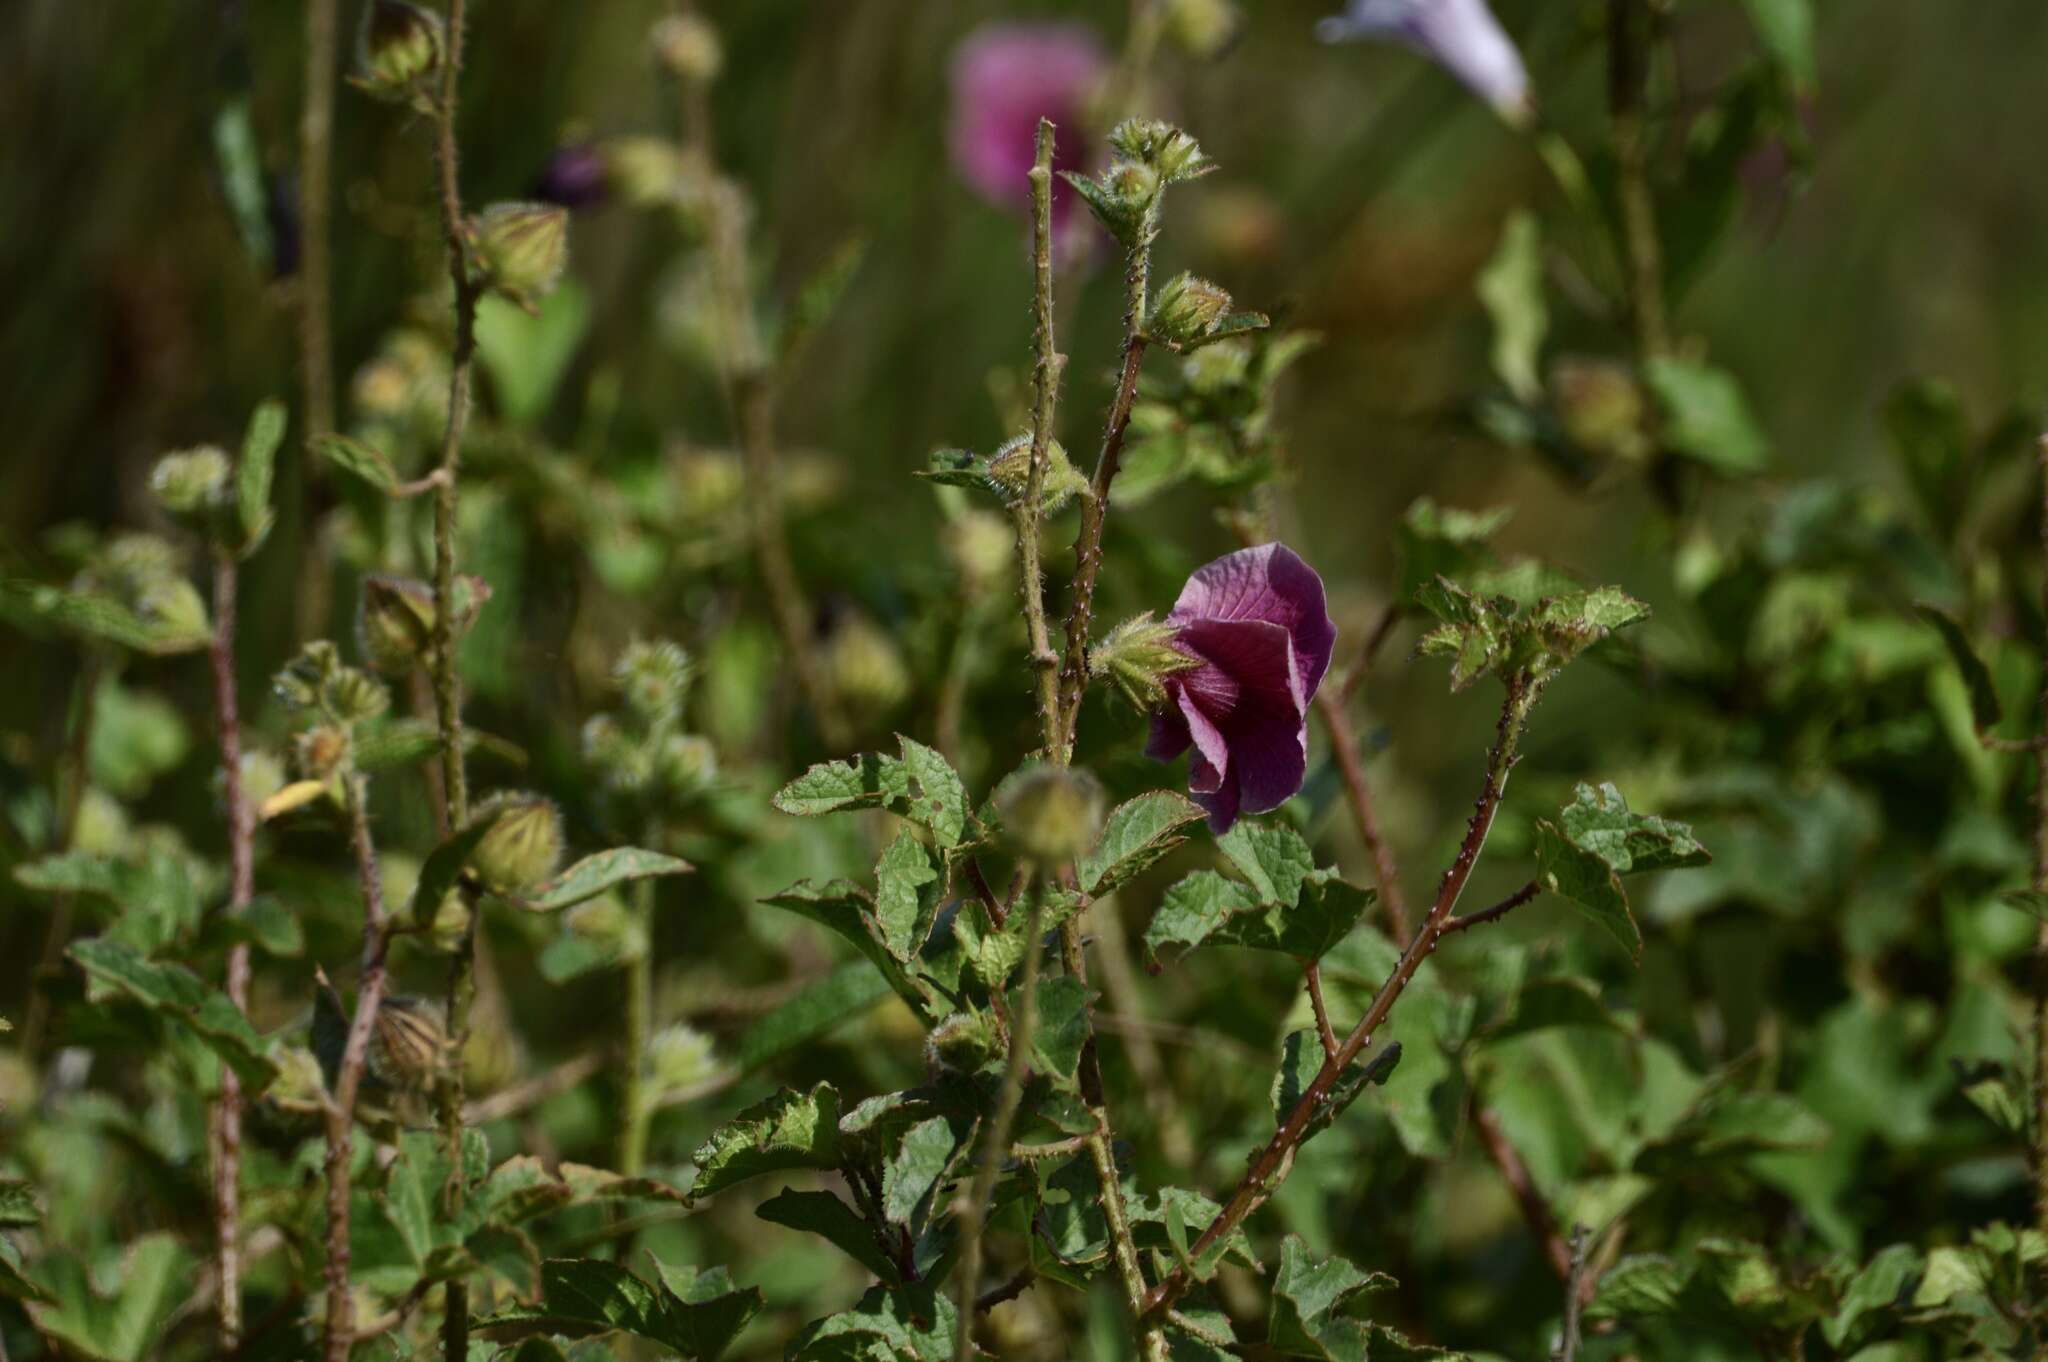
(1269, 1165)
(1466, 921)
(1535, 1210)
(1312, 973)
(227, 1113)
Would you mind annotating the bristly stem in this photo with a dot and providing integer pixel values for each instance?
(1312, 975)
(316, 130)
(227, 1124)
(1095, 503)
(1269, 1165)
(1467, 921)
(447, 686)
(341, 1106)
(995, 1142)
(1045, 387)
(1628, 76)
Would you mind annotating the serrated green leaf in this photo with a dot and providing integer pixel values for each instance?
(1887, 1280)
(1271, 856)
(789, 1130)
(848, 910)
(1582, 878)
(941, 800)
(908, 1324)
(1305, 1317)
(1173, 1221)
(594, 875)
(154, 1278)
(1600, 821)
(101, 618)
(254, 473)
(864, 782)
(1985, 710)
(1134, 836)
(1207, 909)
(1063, 1028)
(698, 1314)
(907, 890)
(360, 460)
(912, 1175)
(178, 993)
(825, 1215)
(445, 867)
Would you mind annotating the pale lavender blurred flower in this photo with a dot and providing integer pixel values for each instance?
(1258, 626)
(1462, 36)
(1005, 78)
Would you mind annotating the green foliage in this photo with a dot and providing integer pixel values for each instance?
(1594, 842)
(1282, 904)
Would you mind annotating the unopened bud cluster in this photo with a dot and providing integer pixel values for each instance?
(399, 53)
(642, 751)
(1150, 156)
(522, 845)
(318, 681)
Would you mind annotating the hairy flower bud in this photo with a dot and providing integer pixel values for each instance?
(1136, 657)
(963, 1042)
(399, 51)
(524, 844)
(865, 668)
(1009, 468)
(654, 677)
(408, 1042)
(1169, 152)
(192, 484)
(521, 248)
(395, 619)
(1051, 814)
(352, 696)
(687, 762)
(1186, 310)
(1204, 29)
(688, 46)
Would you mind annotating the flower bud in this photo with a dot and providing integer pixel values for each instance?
(1186, 310)
(354, 697)
(619, 757)
(866, 670)
(644, 170)
(320, 752)
(395, 623)
(192, 484)
(1169, 152)
(524, 844)
(980, 544)
(408, 1042)
(1204, 29)
(102, 827)
(687, 762)
(963, 1042)
(1050, 813)
(689, 47)
(654, 677)
(1600, 406)
(522, 248)
(174, 605)
(1136, 657)
(1009, 468)
(680, 1057)
(399, 51)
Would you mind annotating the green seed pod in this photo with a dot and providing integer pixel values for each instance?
(524, 844)
(1050, 814)
(395, 623)
(399, 51)
(408, 1042)
(521, 248)
(963, 1043)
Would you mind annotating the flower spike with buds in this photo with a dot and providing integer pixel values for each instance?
(1258, 626)
(399, 53)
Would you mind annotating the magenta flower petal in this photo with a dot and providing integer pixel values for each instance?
(1006, 77)
(1258, 625)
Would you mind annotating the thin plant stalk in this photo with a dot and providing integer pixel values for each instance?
(2039, 1151)
(316, 132)
(76, 775)
(1046, 370)
(227, 1115)
(639, 1111)
(995, 1142)
(339, 1336)
(461, 1001)
(1628, 75)
(1270, 1165)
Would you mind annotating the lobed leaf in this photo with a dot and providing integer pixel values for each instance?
(593, 875)
(789, 1130)
(1134, 836)
(178, 993)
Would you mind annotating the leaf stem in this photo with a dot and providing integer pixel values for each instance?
(995, 1139)
(1466, 921)
(340, 1333)
(1045, 386)
(227, 1116)
(447, 685)
(1269, 1165)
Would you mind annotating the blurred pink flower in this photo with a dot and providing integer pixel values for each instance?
(1005, 78)
(1260, 630)
(1462, 36)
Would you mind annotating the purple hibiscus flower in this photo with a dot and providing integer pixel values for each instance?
(1005, 78)
(1462, 36)
(574, 177)
(1260, 631)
